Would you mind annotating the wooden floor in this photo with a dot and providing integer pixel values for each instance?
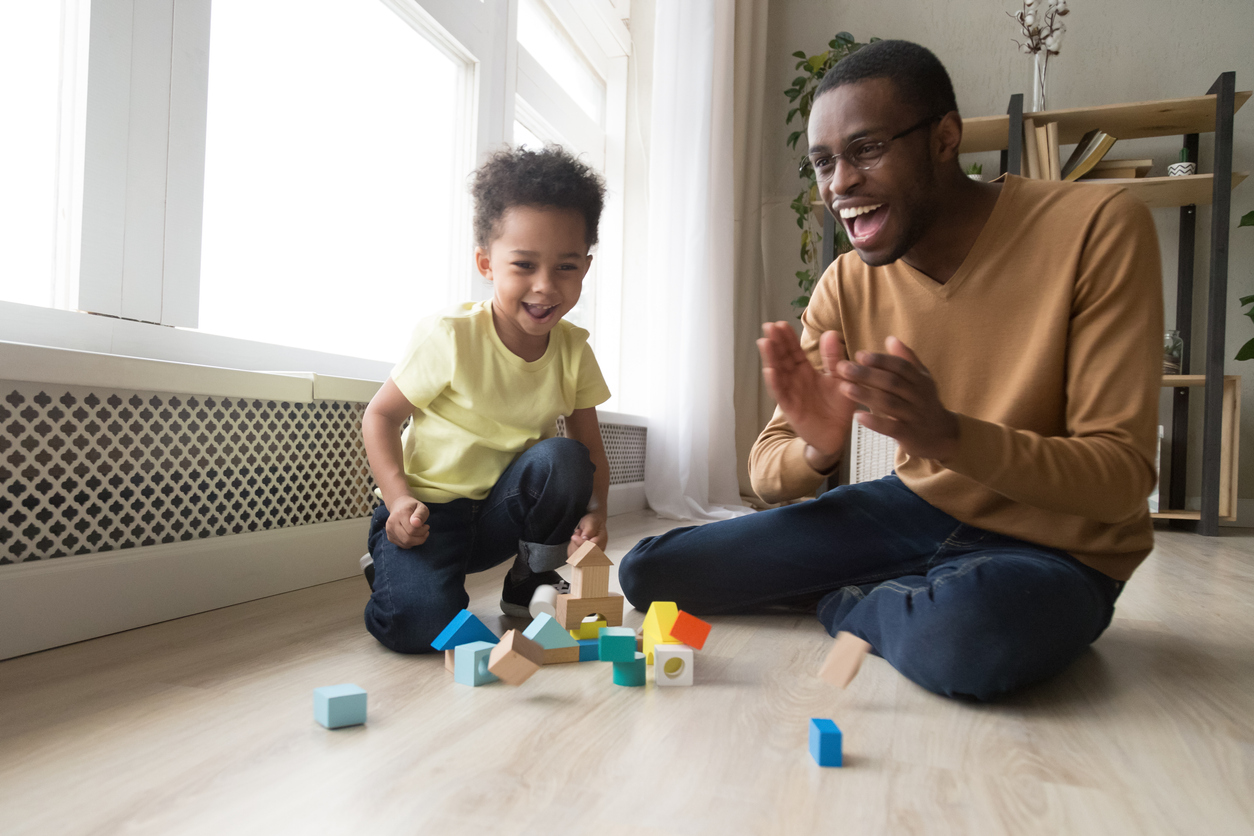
(204, 726)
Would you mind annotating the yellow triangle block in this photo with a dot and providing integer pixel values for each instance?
(657, 627)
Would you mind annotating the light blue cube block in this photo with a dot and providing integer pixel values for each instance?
(617, 644)
(825, 743)
(630, 674)
(470, 663)
(336, 706)
(589, 650)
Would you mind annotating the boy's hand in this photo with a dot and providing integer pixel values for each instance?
(591, 527)
(407, 522)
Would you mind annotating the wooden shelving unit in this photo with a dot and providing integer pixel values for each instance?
(1188, 117)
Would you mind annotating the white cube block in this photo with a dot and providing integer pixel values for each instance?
(672, 664)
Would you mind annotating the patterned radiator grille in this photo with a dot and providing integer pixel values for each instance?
(86, 470)
(873, 456)
(624, 448)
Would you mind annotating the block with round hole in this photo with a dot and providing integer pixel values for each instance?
(672, 664)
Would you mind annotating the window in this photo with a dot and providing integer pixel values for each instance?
(39, 166)
(329, 213)
(540, 33)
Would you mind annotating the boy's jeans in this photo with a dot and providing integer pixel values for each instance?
(959, 610)
(532, 510)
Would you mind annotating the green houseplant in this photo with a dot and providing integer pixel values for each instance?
(801, 94)
(1247, 350)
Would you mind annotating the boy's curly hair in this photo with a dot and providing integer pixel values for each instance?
(523, 177)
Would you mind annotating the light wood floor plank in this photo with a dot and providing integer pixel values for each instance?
(204, 726)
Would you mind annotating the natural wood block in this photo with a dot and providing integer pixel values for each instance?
(516, 658)
(590, 582)
(559, 655)
(844, 660)
(450, 660)
(571, 611)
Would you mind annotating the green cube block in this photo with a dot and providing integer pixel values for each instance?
(630, 674)
(336, 706)
(616, 644)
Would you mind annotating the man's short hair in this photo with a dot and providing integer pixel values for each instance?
(551, 177)
(918, 75)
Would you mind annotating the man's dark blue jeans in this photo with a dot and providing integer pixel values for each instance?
(961, 611)
(532, 511)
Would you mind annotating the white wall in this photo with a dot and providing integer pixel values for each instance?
(1114, 51)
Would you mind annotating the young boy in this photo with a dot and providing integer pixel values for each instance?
(473, 481)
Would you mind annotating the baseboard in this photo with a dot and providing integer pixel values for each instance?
(48, 603)
(1245, 512)
(626, 498)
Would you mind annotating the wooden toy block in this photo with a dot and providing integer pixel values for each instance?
(589, 650)
(640, 646)
(544, 599)
(450, 660)
(617, 644)
(672, 664)
(337, 706)
(463, 629)
(844, 660)
(560, 655)
(591, 576)
(657, 627)
(515, 658)
(546, 632)
(690, 630)
(825, 743)
(471, 665)
(571, 611)
(589, 628)
(630, 674)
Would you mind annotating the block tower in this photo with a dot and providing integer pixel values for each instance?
(589, 590)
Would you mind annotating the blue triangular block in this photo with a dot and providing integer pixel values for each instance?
(546, 632)
(463, 629)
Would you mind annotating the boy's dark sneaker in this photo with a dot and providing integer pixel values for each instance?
(367, 569)
(516, 595)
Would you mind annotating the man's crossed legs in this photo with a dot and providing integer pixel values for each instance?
(958, 610)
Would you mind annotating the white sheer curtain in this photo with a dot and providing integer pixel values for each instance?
(690, 471)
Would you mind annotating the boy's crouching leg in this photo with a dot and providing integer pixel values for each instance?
(544, 494)
(985, 626)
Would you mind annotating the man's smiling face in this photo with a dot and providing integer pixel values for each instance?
(887, 209)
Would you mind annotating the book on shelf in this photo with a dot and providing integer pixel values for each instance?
(1120, 169)
(1087, 154)
(1051, 136)
(1030, 153)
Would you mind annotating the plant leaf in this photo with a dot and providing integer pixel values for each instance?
(1245, 300)
(1247, 219)
(799, 54)
(1246, 352)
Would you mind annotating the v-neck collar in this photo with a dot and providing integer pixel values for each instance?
(989, 236)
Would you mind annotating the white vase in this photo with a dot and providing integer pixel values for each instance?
(1181, 169)
(1040, 63)
(979, 178)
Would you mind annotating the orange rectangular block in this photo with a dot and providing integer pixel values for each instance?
(690, 630)
(571, 611)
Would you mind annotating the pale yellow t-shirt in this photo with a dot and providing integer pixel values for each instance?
(477, 405)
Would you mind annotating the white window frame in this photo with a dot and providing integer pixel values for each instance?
(138, 264)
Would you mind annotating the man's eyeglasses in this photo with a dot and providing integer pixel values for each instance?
(863, 154)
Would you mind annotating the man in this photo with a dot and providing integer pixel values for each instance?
(1007, 336)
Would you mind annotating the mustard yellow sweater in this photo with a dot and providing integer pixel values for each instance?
(1047, 342)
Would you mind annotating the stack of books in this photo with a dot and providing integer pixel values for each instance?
(1041, 160)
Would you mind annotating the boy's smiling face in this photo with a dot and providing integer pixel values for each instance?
(536, 264)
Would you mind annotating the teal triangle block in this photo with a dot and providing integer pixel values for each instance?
(546, 632)
(463, 629)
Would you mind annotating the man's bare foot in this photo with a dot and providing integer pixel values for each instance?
(844, 660)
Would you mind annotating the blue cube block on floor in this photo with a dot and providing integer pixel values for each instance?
(336, 706)
(825, 743)
(617, 644)
(630, 674)
(589, 650)
(470, 663)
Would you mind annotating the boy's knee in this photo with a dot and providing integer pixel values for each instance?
(567, 460)
(407, 630)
